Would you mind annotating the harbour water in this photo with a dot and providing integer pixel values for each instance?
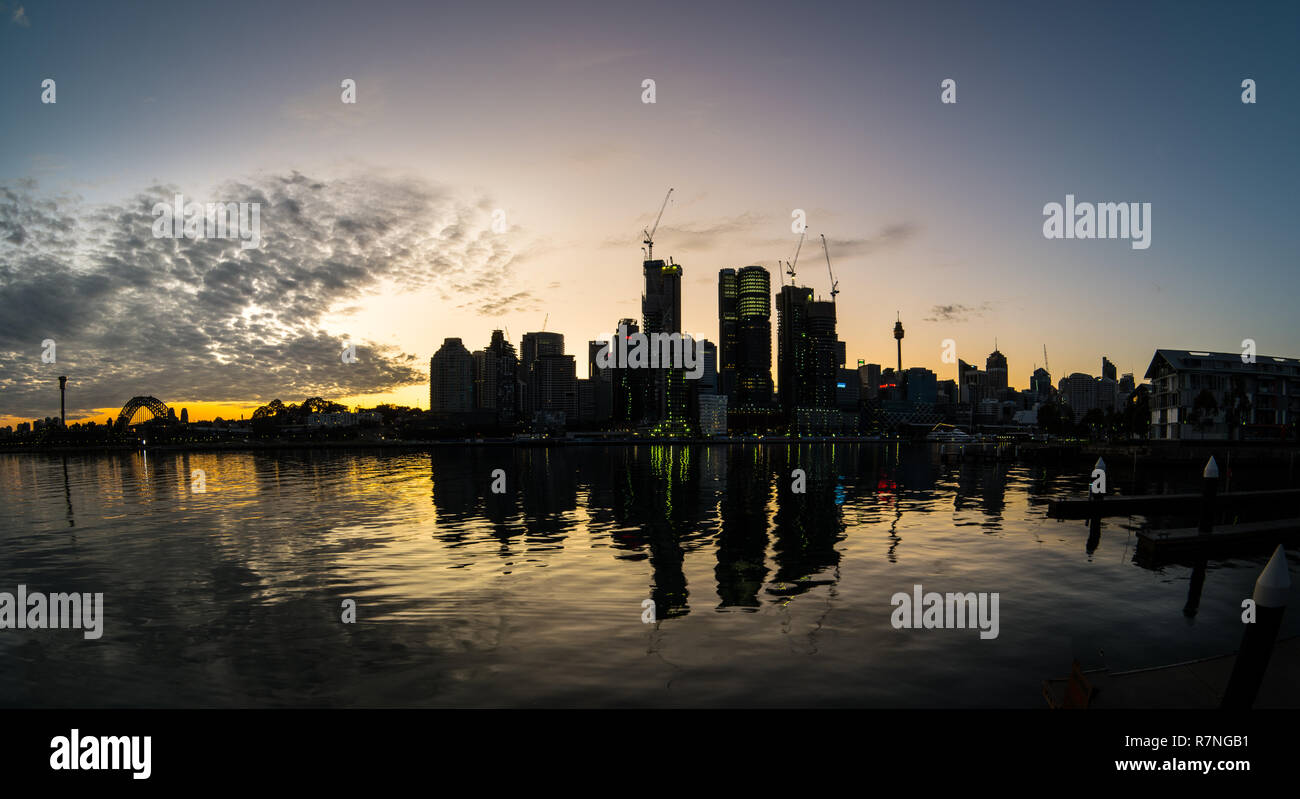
(763, 596)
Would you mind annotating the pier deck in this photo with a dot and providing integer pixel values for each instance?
(1120, 505)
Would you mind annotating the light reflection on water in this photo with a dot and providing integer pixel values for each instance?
(764, 596)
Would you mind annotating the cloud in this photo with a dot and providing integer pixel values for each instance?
(204, 320)
(20, 17)
(695, 237)
(889, 237)
(520, 301)
(956, 313)
(593, 59)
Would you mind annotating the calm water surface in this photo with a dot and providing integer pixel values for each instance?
(765, 597)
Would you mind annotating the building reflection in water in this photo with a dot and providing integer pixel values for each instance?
(807, 524)
(742, 530)
(655, 504)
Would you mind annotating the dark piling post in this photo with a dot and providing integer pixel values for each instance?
(1196, 585)
(1209, 493)
(1271, 593)
(1096, 493)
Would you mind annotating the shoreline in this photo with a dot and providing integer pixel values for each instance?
(1173, 452)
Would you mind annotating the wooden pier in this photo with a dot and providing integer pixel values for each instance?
(1120, 505)
(1161, 544)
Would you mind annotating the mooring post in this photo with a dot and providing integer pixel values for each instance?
(1209, 491)
(1271, 592)
(1196, 585)
(1097, 486)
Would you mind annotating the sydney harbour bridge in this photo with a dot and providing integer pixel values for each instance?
(155, 406)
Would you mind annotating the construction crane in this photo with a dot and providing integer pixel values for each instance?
(649, 240)
(835, 284)
(790, 265)
(544, 321)
(1047, 367)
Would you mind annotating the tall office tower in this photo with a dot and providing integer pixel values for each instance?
(708, 382)
(922, 385)
(869, 376)
(485, 380)
(661, 312)
(1040, 384)
(728, 330)
(661, 303)
(556, 381)
(451, 378)
(534, 346)
(1079, 392)
(631, 386)
(753, 359)
(537, 344)
(826, 351)
(996, 366)
(792, 351)
(601, 384)
(505, 380)
(706, 385)
(898, 337)
(1108, 369)
(969, 381)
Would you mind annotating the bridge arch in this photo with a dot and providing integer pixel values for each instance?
(154, 405)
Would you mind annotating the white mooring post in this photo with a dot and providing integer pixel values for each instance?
(1209, 490)
(1272, 590)
(1097, 486)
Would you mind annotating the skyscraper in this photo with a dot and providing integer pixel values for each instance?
(533, 347)
(661, 303)
(631, 386)
(602, 383)
(728, 329)
(996, 366)
(1108, 368)
(808, 353)
(1079, 392)
(661, 312)
(496, 379)
(451, 378)
(972, 383)
(753, 358)
(827, 353)
(708, 382)
(556, 381)
(792, 351)
(1040, 384)
(869, 376)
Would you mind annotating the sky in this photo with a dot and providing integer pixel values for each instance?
(377, 217)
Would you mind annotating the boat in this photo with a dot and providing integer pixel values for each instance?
(946, 433)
